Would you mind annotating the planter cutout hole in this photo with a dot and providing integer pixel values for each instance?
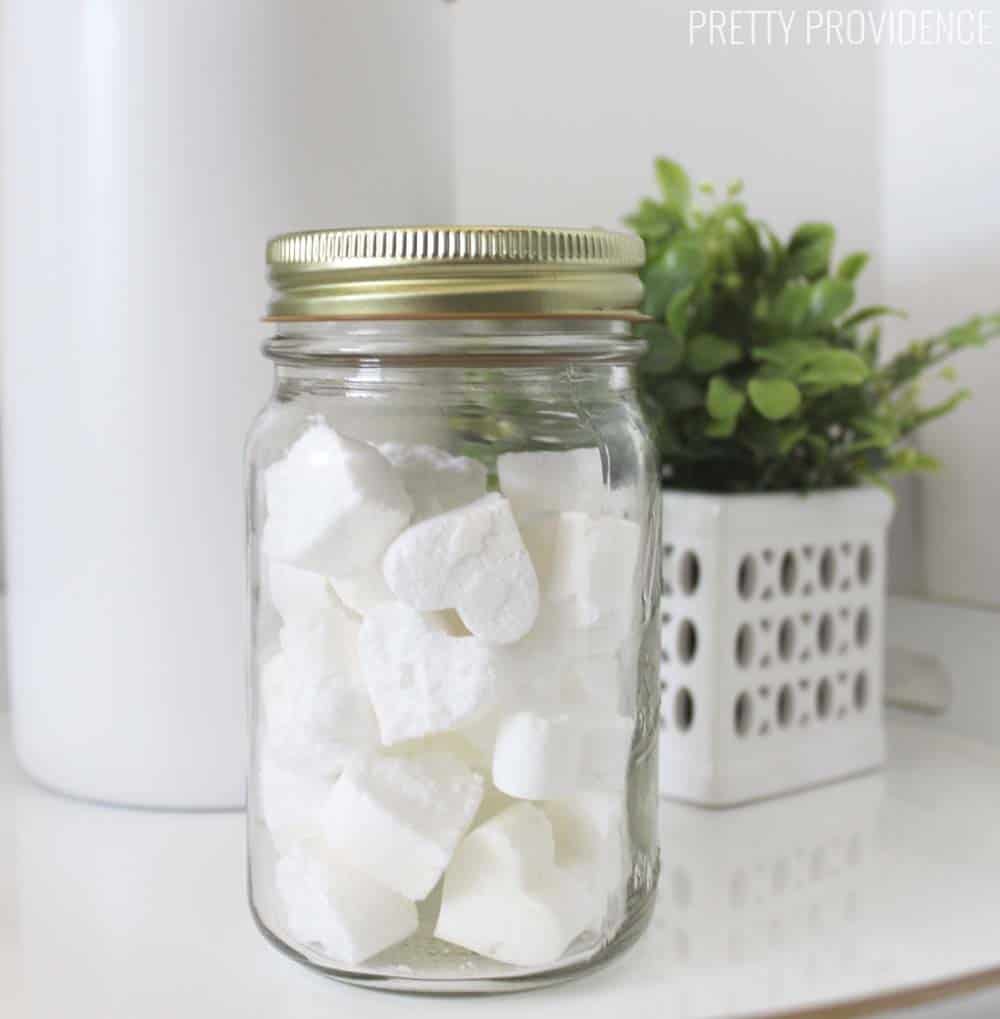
(864, 564)
(827, 568)
(786, 639)
(746, 577)
(824, 633)
(862, 628)
(786, 706)
(789, 572)
(744, 645)
(861, 691)
(687, 641)
(689, 573)
(683, 709)
(824, 698)
(743, 714)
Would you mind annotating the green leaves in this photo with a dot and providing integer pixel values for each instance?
(809, 306)
(788, 357)
(831, 368)
(674, 184)
(707, 353)
(774, 398)
(791, 305)
(828, 299)
(874, 311)
(664, 349)
(809, 250)
(678, 267)
(653, 221)
(758, 374)
(813, 363)
(679, 311)
(724, 400)
(852, 266)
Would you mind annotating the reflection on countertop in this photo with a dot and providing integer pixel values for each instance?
(860, 888)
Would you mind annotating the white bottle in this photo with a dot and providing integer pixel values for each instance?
(149, 148)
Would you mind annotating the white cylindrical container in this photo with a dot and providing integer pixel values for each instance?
(149, 148)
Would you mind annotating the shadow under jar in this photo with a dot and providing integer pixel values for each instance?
(453, 538)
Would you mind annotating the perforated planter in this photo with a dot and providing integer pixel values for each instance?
(772, 669)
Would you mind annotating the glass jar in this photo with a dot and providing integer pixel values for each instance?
(453, 558)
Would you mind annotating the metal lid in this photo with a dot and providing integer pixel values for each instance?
(454, 272)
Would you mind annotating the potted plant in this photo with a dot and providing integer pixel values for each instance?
(779, 426)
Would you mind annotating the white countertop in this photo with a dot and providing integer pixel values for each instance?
(867, 887)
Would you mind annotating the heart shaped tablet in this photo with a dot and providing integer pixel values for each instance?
(422, 680)
(471, 559)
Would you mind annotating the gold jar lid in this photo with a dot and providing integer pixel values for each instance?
(454, 272)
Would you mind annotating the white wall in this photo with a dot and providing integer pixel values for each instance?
(562, 106)
(941, 224)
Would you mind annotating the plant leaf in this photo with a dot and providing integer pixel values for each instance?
(870, 312)
(809, 250)
(721, 428)
(882, 431)
(724, 400)
(708, 353)
(679, 311)
(775, 399)
(789, 438)
(679, 394)
(675, 185)
(654, 221)
(909, 460)
(829, 298)
(789, 357)
(680, 265)
(664, 351)
(852, 266)
(835, 367)
(791, 305)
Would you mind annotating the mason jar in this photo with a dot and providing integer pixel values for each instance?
(453, 536)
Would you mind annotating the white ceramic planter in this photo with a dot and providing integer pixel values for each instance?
(773, 616)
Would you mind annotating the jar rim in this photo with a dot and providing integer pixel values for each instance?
(455, 340)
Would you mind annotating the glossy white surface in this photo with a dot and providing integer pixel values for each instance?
(876, 884)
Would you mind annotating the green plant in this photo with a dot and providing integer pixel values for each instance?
(759, 376)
